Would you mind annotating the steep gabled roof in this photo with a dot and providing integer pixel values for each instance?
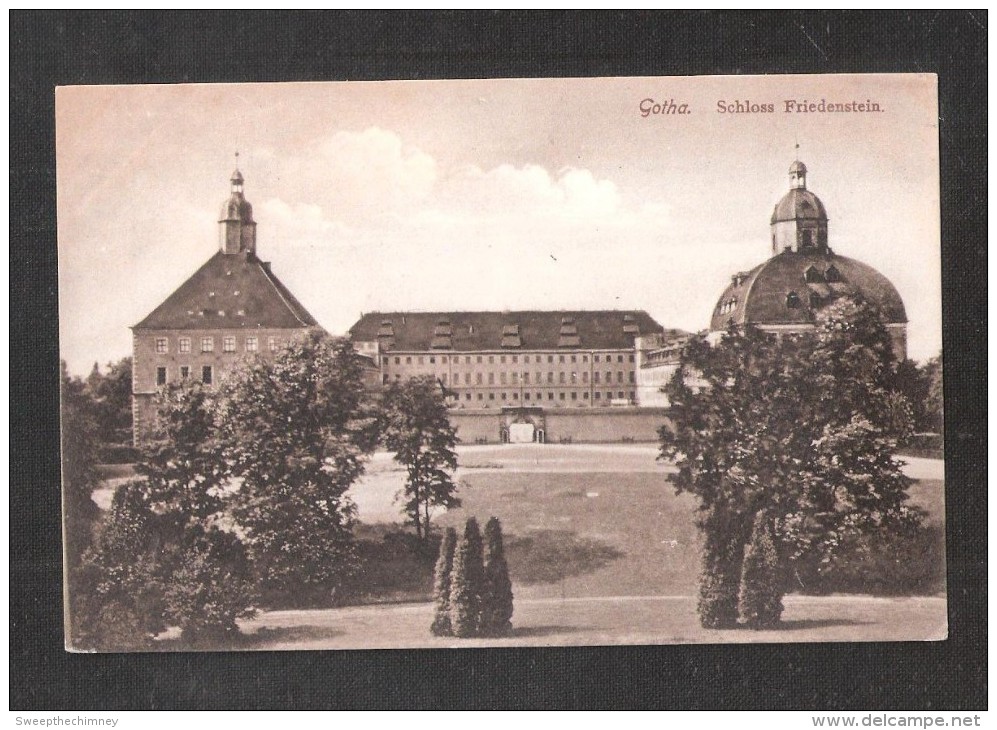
(230, 291)
(510, 331)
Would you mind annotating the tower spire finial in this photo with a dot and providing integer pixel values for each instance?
(797, 150)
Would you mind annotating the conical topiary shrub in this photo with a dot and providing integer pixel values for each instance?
(496, 601)
(441, 584)
(720, 576)
(760, 597)
(467, 582)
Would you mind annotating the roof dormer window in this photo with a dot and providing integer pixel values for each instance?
(792, 300)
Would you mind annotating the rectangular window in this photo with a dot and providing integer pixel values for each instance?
(162, 347)
(561, 395)
(491, 396)
(502, 359)
(384, 379)
(432, 360)
(631, 374)
(184, 345)
(206, 375)
(561, 377)
(526, 378)
(467, 359)
(481, 396)
(160, 376)
(502, 378)
(515, 359)
(560, 358)
(619, 376)
(272, 344)
(420, 359)
(526, 396)
(228, 344)
(515, 396)
(595, 377)
(444, 360)
(585, 395)
(631, 358)
(479, 358)
(550, 378)
(503, 396)
(550, 358)
(574, 377)
(384, 361)
(478, 378)
(491, 359)
(467, 378)
(550, 396)
(574, 395)
(621, 396)
(619, 358)
(207, 344)
(491, 378)
(598, 395)
(596, 358)
(398, 361)
(609, 377)
(574, 358)
(633, 395)
(252, 344)
(585, 358)
(585, 376)
(467, 396)
(184, 372)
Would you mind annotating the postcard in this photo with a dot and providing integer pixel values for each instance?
(519, 362)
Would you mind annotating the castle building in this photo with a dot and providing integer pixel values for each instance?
(231, 308)
(804, 274)
(550, 359)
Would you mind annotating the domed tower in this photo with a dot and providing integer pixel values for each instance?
(238, 229)
(799, 221)
(803, 275)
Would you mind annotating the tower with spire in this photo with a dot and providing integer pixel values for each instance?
(803, 275)
(231, 309)
(237, 227)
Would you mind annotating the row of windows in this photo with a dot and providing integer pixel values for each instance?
(572, 395)
(207, 374)
(251, 344)
(421, 359)
(514, 378)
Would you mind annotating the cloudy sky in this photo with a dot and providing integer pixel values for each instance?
(485, 194)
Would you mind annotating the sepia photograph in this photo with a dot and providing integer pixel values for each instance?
(501, 363)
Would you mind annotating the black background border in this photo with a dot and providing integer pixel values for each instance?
(56, 48)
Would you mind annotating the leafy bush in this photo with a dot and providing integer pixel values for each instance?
(210, 588)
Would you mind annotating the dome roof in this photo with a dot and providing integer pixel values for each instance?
(237, 177)
(797, 168)
(762, 296)
(799, 204)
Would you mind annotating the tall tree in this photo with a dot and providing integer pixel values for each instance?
(112, 394)
(496, 600)
(418, 430)
(796, 427)
(441, 584)
(295, 433)
(467, 582)
(79, 472)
